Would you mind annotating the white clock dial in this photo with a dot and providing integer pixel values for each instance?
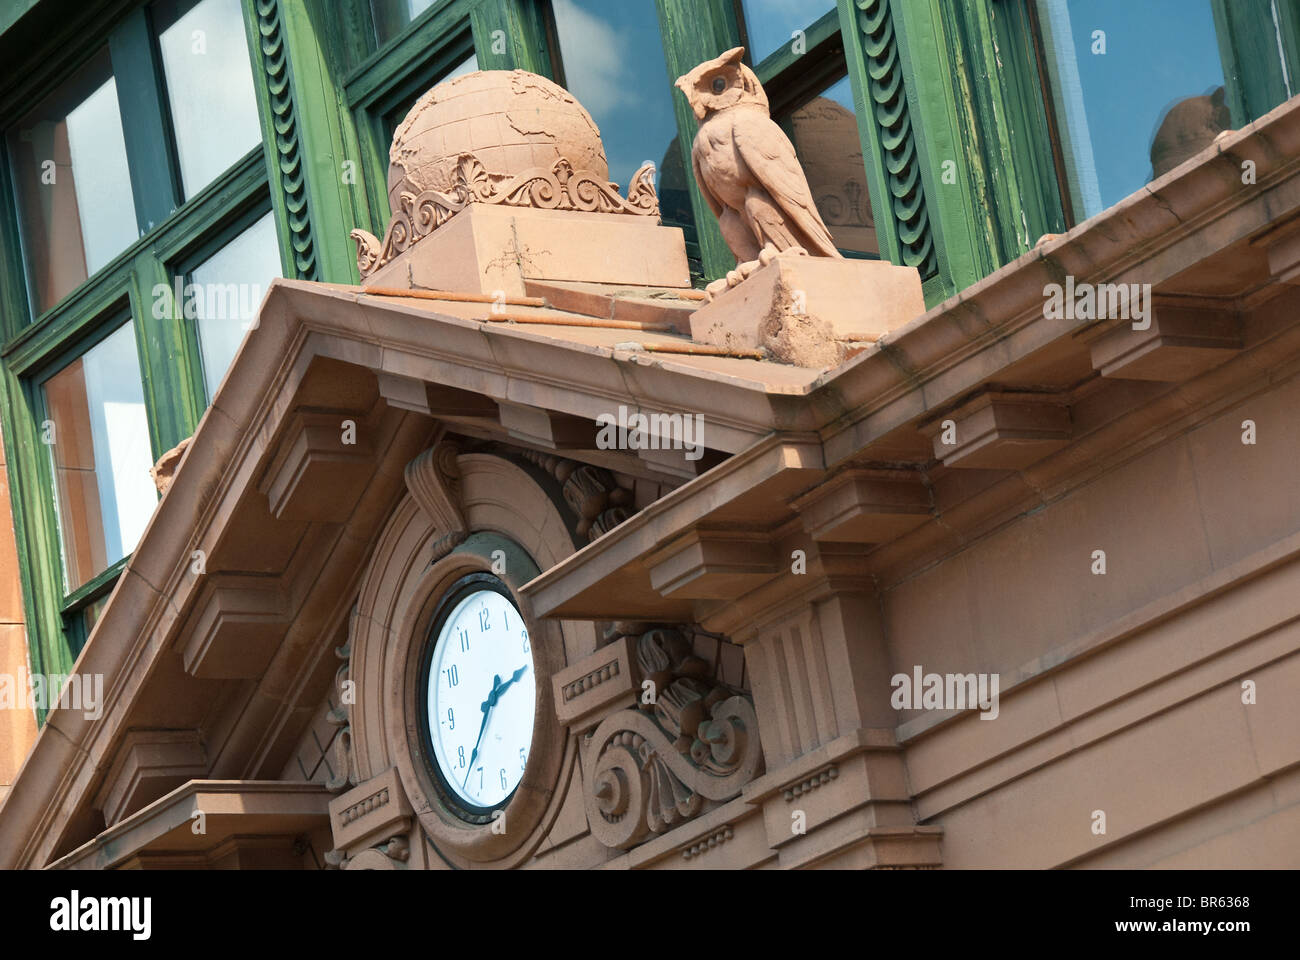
(481, 694)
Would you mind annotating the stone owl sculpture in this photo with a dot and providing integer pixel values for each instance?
(747, 169)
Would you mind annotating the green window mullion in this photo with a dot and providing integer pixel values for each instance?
(1253, 67)
(694, 31)
(168, 351)
(35, 527)
(145, 124)
(523, 42)
(14, 313)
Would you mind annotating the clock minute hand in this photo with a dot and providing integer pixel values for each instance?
(487, 706)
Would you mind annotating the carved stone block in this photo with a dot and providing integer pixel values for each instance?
(148, 764)
(1179, 344)
(864, 506)
(370, 813)
(235, 629)
(1001, 431)
(487, 248)
(321, 467)
(808, 310)
(603, 681)
(706, 564)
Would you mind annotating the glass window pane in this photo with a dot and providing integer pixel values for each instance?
(614, 66)
(75, 205)
(1137, 88)
(392, 16)
(100, 453)
(770, 24)
(824, 131)
(209, 87)
(226, 290)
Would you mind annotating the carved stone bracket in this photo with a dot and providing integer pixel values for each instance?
(558, 188)
(433, 479)
(692, 743)
(373, 818)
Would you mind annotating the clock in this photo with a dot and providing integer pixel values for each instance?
(478, 695)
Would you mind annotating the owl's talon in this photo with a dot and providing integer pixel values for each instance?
(767, 254)
(716, 287)
(797, 251)
(748, 267)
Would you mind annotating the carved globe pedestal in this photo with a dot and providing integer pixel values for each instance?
(499, 177)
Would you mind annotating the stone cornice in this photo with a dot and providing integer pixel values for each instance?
(874, 409)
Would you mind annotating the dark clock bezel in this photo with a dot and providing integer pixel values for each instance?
(457, 591)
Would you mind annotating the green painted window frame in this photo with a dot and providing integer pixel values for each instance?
(73, 602)
(172, 235)
(432, 45)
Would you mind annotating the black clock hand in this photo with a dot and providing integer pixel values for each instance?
(487, 706)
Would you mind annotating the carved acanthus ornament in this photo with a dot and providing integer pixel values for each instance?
(342, 762)
(558, 188)
(598, 503)
(691, 744)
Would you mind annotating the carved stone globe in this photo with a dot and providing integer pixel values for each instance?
(511, 120)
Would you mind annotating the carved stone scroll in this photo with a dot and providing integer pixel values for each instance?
(692, 743)
(558, 188)
(433, 479)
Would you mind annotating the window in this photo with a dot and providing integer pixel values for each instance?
(162, 116)
(811, 98)
(97, 433)
(209, 86)
(613, 64)
(75, 203)
(392, 16)
(121, 143)
(824, 131)
(228, 287)
(772, 24)
(1136, 89)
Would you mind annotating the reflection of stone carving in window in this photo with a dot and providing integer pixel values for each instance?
(825, 135)
(1189, 126)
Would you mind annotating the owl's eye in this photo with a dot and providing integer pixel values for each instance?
(719, 84)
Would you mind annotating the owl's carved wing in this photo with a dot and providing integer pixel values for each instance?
(714, 203)
(770, 156)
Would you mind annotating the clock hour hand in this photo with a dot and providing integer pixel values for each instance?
(513, 677)
(487, 706)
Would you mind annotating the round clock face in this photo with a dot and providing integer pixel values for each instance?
(480, 694)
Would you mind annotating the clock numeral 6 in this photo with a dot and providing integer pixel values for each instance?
(503, 778)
